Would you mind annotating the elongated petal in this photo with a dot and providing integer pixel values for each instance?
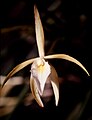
(17, 68)
(40, 70)
(55, 84)
(39, 33)
(66, 57)
(34, 90)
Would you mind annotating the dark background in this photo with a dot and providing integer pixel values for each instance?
(67, 29)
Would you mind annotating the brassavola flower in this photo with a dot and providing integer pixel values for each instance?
(41, 70)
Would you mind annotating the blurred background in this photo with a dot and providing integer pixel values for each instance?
(67, 30)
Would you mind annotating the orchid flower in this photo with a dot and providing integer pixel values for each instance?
(41, 70)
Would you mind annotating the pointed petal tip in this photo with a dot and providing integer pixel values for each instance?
(42, 106)
(56, 104)
(88, 74)
(34, 7)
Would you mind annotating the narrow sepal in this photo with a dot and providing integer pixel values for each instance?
(55, 84)
(66, 57)
(39, 32)
(16, 69)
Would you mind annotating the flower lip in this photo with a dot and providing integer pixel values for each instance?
(40, 70)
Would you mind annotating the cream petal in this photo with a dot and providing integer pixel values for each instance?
(17, 68)
(66, 57)
(55, 84)
(39, 32)
(34, 90)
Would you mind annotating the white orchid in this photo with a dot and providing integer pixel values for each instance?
(41, 70)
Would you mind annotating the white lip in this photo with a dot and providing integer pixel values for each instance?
(40, 76)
